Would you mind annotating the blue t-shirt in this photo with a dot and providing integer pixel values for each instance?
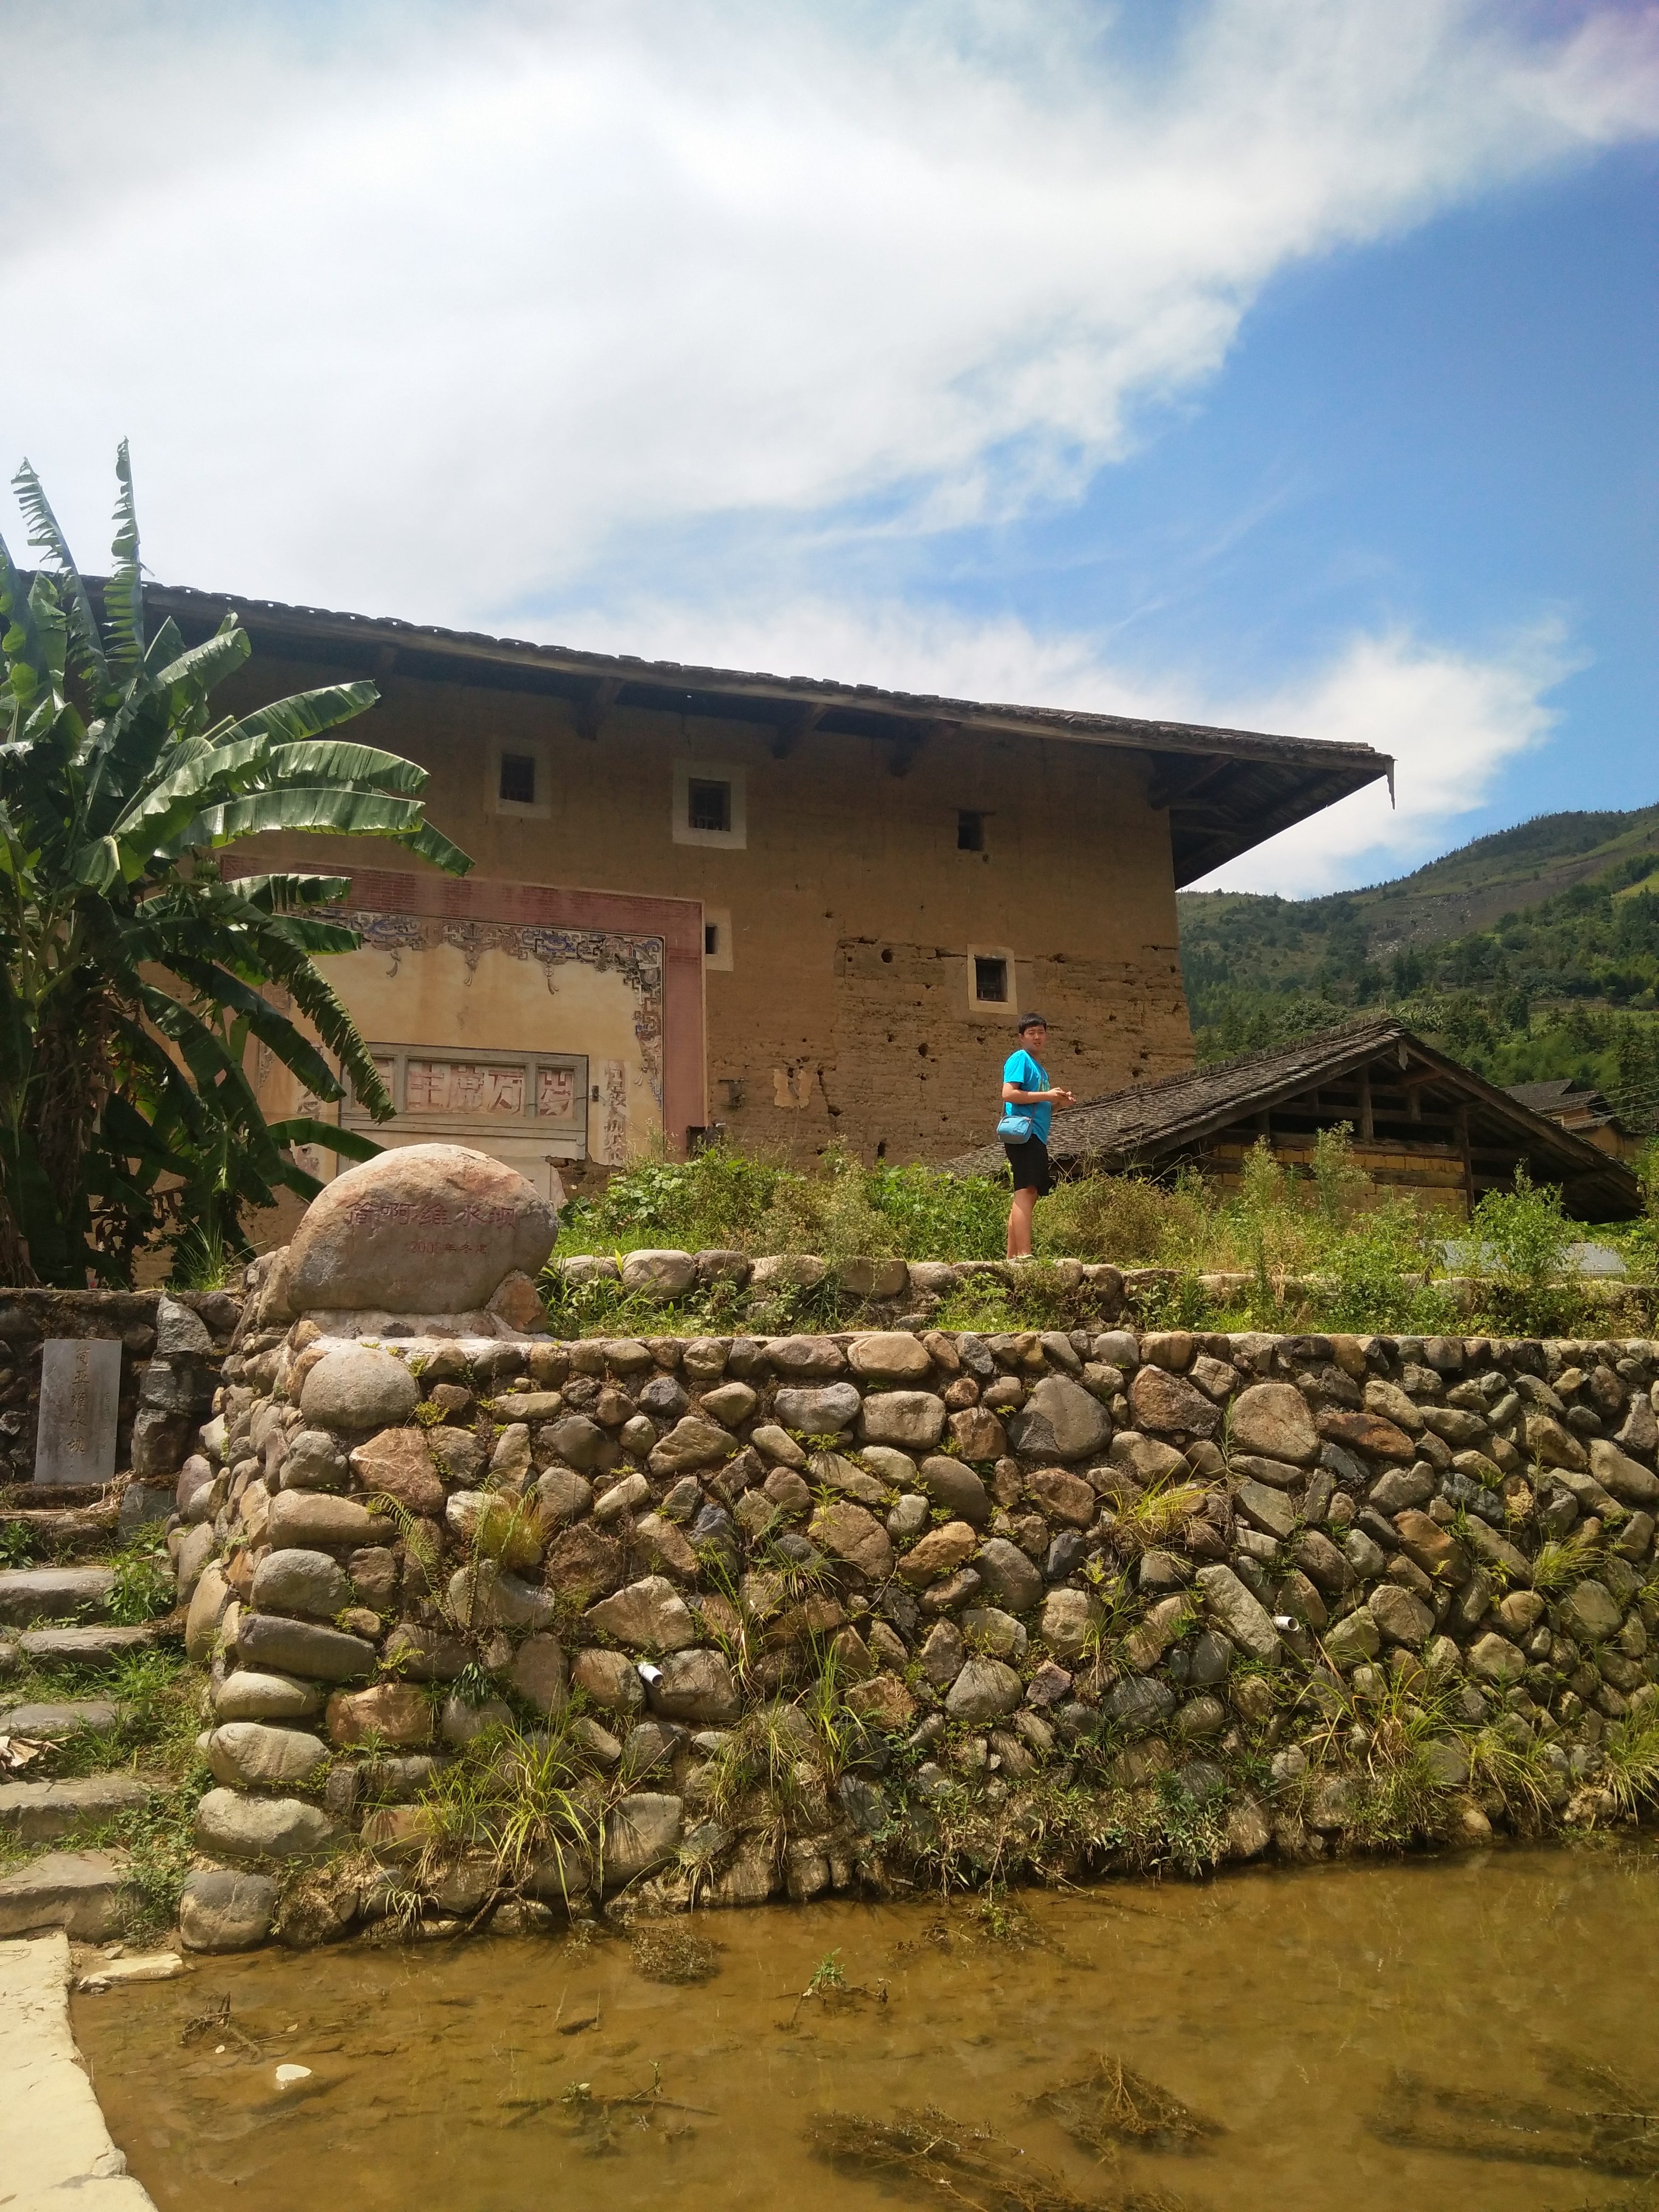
(1022, 1071)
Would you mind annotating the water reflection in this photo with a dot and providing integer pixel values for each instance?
(1469, 2031)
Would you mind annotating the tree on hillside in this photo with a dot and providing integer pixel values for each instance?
(134, 976)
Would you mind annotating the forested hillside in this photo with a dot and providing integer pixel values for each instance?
(1528, 954)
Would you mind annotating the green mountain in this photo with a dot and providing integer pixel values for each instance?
(1531, 953)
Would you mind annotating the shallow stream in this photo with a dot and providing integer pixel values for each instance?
(1413, 2035)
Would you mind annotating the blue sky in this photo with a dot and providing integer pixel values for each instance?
(1270, 361)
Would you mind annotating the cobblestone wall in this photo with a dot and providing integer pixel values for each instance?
(1063, 1602)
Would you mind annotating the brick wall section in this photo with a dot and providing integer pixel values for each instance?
(968, 1524)
(913, 1078)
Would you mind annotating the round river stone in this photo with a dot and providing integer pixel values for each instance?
(423, 1229)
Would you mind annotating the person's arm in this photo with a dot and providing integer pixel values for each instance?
(1013, 1096)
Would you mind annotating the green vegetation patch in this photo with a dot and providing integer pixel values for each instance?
(1319, 1247)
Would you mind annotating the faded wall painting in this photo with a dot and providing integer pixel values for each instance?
(540, 1041)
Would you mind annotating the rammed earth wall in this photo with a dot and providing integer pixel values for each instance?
(1060, 1602)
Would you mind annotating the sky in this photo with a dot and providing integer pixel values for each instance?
(1288, 364)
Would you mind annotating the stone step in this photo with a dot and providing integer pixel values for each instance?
(29, 1593)
(51, 1723)
(79, 1891)
(86, 1647)
(88, 1496)
(41, 1811)
(56, 1534)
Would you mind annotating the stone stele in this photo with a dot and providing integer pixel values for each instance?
(79, 1384)
(423, 1229)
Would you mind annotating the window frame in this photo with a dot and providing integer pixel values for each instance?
(734, 839)
(719, 919)
(515, 760)
(537, 750)
(999, 1007)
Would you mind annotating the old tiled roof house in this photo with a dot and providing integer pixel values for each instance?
(801, 910)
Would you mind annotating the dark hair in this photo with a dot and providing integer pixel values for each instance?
(1031, 1022)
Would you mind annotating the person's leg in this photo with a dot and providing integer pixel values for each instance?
(1020, 1225)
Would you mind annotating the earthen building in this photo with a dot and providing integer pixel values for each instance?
(800, 911)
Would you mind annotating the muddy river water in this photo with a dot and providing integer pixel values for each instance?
(1479, 2032)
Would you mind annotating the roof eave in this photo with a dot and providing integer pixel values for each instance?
(380, 634)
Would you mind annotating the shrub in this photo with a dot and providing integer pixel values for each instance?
(1379, 1274)
(1323, 1247)
(1526, 1231)
(1120, 1217)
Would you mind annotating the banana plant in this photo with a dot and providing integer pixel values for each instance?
(138, 977)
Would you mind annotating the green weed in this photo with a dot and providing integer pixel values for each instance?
(143, 1587)
(160, 1839)
(521, 1799)
(203, 1260)
(763, 1754)
(1563, 1560)
(826, 1975)
(1630, 1760)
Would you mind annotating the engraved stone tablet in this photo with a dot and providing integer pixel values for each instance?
(80, 1386)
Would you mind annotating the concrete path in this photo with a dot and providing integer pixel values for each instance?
(55, 2150)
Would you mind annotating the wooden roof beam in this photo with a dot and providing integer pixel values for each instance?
(603, 694)
(1179, 780)
(794, 723)
(910, 740)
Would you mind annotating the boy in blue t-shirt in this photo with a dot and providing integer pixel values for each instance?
(1027, 1089)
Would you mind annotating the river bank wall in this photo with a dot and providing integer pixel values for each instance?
(794, 1615)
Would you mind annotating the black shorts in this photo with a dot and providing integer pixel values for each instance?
(1028, 1164)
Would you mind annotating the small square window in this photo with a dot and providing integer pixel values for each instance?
(518, 783)
(709, 807)
(971, 832)
(707, 804)
(517, 777)
(991, 980)
(717, 938)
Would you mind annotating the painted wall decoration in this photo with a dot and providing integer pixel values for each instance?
(639, 960)
(543, 1026)
(493, 1035)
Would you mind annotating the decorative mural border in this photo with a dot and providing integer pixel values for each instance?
(656, 944)
(639, 960)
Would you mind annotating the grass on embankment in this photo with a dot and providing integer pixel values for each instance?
(1323, 1249)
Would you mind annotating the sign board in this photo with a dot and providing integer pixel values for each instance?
(80, 1389)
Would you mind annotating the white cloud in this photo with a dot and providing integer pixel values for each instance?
(430, 308)
(1453, 721)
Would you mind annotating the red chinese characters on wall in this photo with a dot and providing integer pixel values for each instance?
(372, 1213)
